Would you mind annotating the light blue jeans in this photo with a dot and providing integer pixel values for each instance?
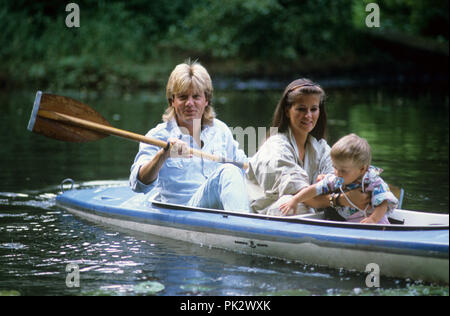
(225, 189)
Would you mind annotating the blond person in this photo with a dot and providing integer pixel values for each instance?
(189, 120)
(351, 156)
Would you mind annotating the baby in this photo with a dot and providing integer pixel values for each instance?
(351, 156)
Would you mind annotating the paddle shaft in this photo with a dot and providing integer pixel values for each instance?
(126, 134)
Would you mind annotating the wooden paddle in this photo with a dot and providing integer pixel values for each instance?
(69, 120)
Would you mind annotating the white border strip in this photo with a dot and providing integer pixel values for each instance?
(37, 103)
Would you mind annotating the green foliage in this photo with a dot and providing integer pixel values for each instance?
(265, 29)
(229, 28)
(428, 18)
(115, 36)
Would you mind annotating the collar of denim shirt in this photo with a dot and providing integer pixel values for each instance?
(206, 134)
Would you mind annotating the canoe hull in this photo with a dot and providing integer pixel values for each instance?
(415, 254)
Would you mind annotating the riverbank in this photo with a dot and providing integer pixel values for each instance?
(131, 45)
(127, 76)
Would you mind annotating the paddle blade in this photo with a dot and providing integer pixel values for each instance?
(398, 193)
(59, 129)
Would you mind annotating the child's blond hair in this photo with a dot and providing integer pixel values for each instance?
(354, 148)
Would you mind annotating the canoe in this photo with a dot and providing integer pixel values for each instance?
(415, 246)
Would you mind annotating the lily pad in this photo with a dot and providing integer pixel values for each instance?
(294, 292)
(148, 288)
(196, 288)
(9, 293)
(99, 292)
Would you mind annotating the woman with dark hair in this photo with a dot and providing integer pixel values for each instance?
(296, 156)
(295, 90)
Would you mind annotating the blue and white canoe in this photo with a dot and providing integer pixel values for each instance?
(416, 247)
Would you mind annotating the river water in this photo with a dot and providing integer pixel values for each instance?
(408, 131)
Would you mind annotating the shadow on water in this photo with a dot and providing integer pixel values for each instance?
(408, 134)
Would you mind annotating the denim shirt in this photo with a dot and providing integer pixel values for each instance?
(179, 178)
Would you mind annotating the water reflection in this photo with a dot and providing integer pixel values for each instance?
(37, 244)
(408, 134)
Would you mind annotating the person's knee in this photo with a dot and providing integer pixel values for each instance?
(233, 192)
(230, 171)
(230, 167)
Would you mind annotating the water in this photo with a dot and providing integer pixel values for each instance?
(408, 131)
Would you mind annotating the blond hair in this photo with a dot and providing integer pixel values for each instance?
(187, 76)
(354, 148)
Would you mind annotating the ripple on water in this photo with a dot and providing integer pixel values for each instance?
(44, 201)
(39, 240)
(13, 246)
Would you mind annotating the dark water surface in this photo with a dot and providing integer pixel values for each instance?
(408, 131)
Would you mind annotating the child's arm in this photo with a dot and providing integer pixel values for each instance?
(319, 188)
(360, 199)
(320, 177)
(304, 194)
(377, 215)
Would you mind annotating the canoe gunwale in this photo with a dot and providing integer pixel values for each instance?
(305, 220)
(341, 242)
